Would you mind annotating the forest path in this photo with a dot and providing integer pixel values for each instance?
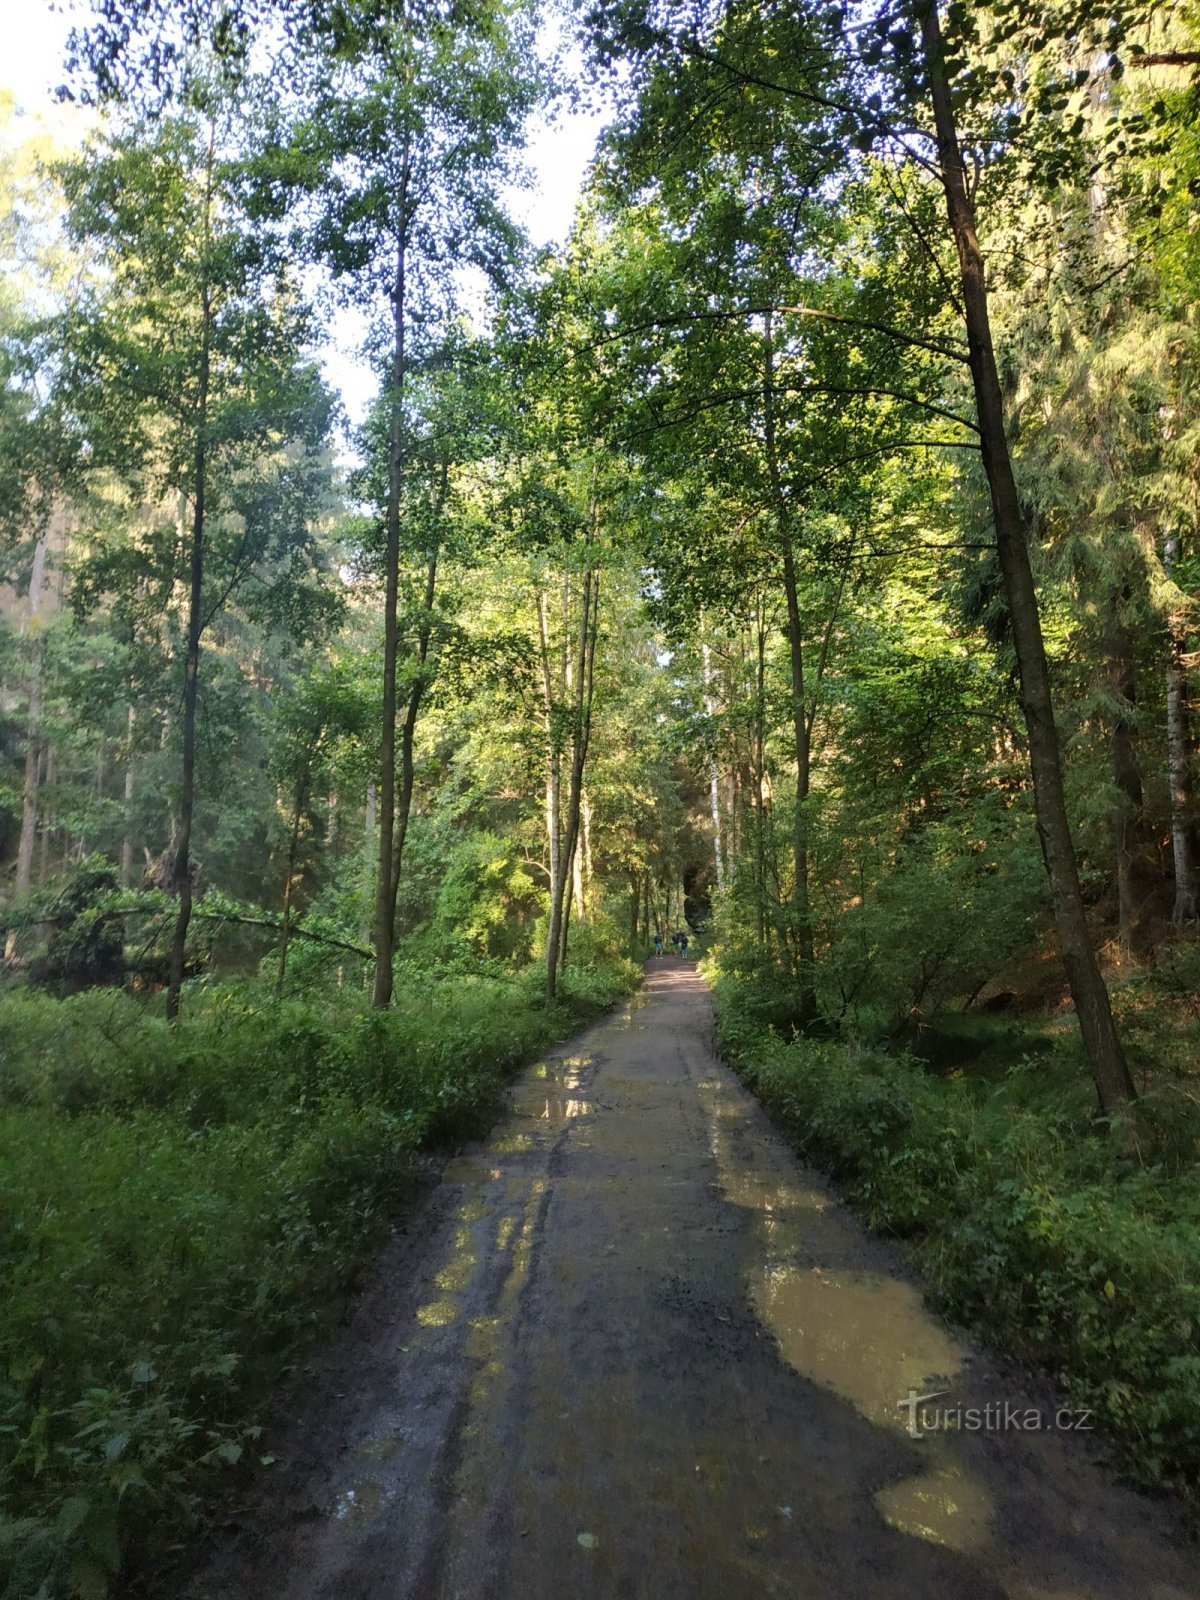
(630, 1347)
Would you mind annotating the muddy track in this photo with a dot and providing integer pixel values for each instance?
(630, 1347)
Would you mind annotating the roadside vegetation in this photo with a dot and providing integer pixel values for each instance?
(182, 1206)
(802, 553)
(1067, 1241)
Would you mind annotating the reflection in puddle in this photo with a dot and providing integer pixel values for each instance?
(467, 1169)
(756, 1191)
(865, 1336)
(437, 1314)
(457, 1275)
(945, 1506)
(560, 1101)
(551, 1108)
(359, 1502)
(512, 1143)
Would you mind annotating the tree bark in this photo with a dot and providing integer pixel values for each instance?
(182, 870)
(805, 951)
(31, 782)
(285, 926)
(553, 807)
(1102, 1044)
(408, 732)
(580, 735)
(127, 837)
(33, 732)
(1179, 758)
(714, 776)
(386, 877)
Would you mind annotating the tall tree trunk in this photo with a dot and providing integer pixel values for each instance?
(581, 866)
(385, 901)
(289, 880)
(47, 782)
(33, 733)
(805, 952)
(182, 869)
(760, 772)
(411, 712)
(1101, 1041)
(714, 776)
(127, 836)
(34, 748)
(370, 863)
(1179, 757)
(580, 735)
(553, 807)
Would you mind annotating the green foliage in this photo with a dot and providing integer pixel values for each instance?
(178, 1203)
(85, 948)
(1075, 1249)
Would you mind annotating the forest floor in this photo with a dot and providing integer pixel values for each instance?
(631, 1346)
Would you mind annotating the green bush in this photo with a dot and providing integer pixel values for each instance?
(1074, 1245)
(176, 1204)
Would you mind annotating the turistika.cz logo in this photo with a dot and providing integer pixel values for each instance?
(924, 1416)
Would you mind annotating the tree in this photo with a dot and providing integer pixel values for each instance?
(185, 378)
(392, 166)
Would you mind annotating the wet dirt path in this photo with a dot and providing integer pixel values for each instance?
(632, 1348)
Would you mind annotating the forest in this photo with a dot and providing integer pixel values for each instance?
(805, 554)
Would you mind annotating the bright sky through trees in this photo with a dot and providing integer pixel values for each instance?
(560, 148)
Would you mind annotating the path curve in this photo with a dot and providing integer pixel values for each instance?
(631, 1349)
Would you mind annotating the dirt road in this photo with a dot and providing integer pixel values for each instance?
(630, 1347)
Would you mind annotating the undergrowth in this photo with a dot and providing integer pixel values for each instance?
(176, 1207)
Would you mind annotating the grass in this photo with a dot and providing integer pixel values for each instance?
(176, 1207)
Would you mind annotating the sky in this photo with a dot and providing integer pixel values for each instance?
(559, 152)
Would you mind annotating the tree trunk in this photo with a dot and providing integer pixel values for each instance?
(580, 735)
(182, 870)
(581, 867)
(386, 878)
(760, 772)
(31, 783)
(805, 953)
(127, 837)
(553, 808)
(714, 776)
(1101, 1041)
(1179, 758)
(285, 927)
(33, 733)
(408, 732)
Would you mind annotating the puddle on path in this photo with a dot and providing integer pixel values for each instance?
(865, 1336)
(761, 1190)
(469, 1170)
(560, 1100)
(437, 1313)
(359, 1503)
(945, 1506)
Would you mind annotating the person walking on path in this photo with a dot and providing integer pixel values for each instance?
(658, 944)
(683, 945)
